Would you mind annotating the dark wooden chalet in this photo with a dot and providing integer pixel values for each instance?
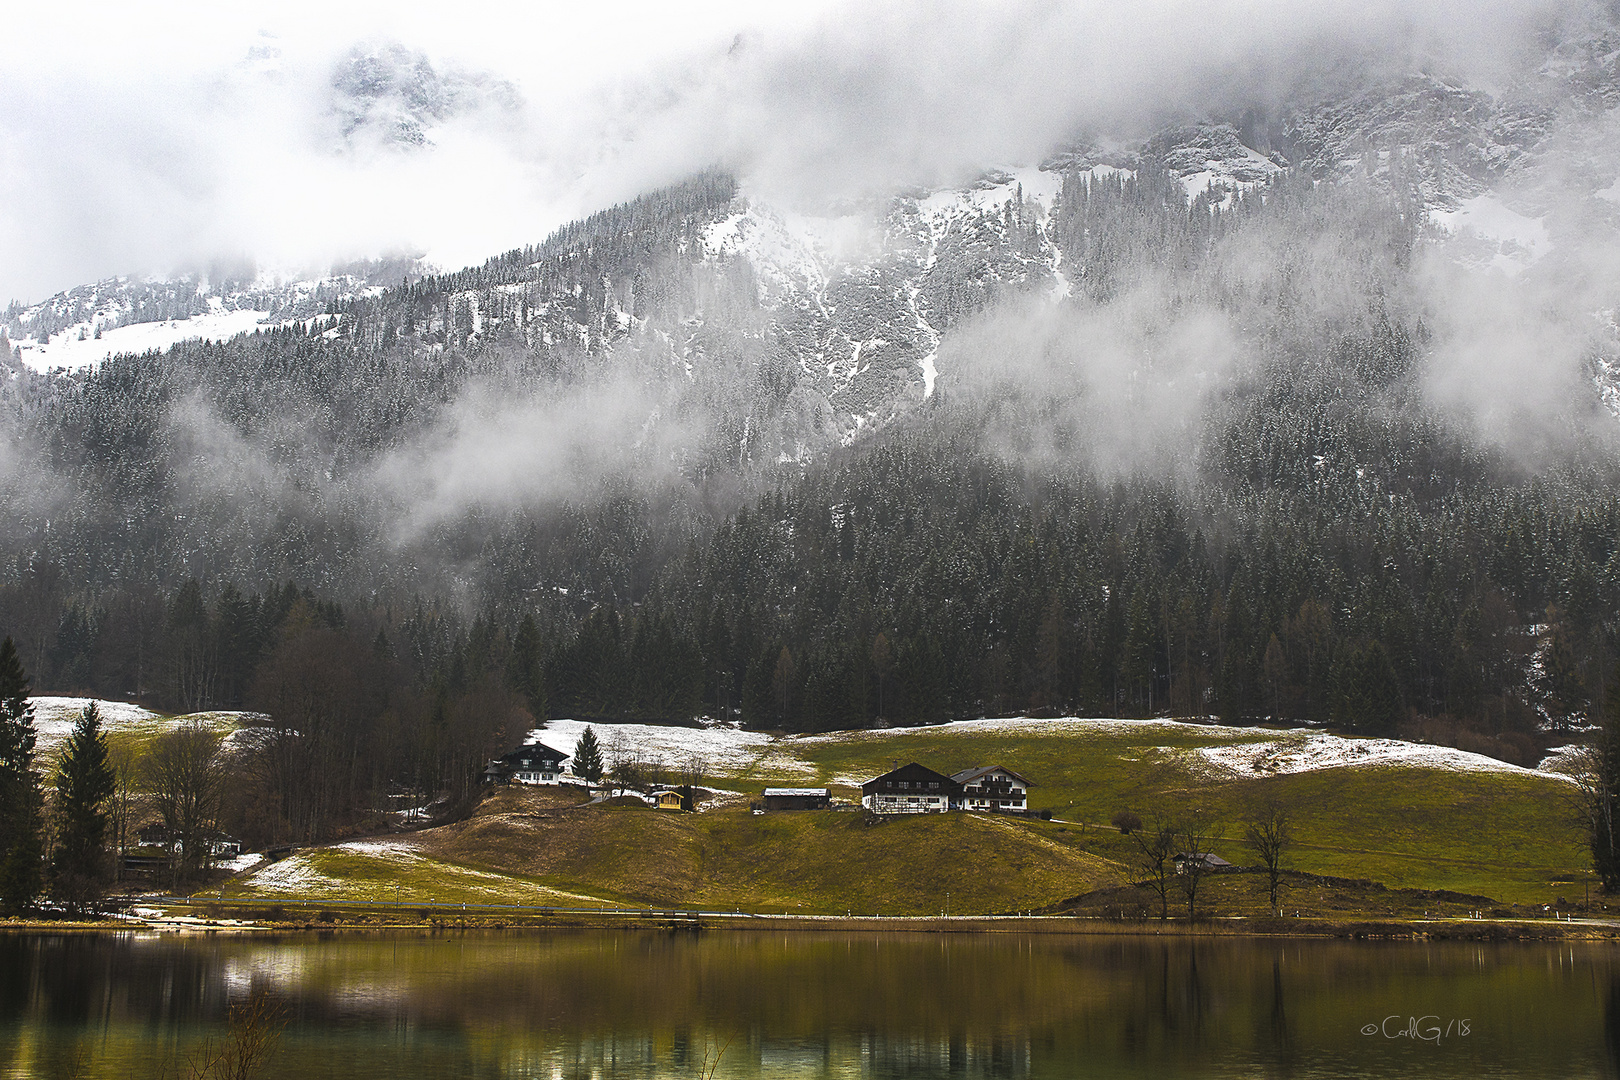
(910, 789)
(535, 763)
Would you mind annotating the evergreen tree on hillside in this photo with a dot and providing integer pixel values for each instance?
(526, 667)
(21, 848)
(84, 783)
(1563, 695)
(1600, 790)
(1368, 691)
(588, 757)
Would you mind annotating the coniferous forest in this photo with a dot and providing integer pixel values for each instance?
(591, 478)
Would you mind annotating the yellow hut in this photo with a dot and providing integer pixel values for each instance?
(668, 800)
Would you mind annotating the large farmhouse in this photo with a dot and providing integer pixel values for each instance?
(916, 789)
(910, 789)
(991, 788)
(535, 763)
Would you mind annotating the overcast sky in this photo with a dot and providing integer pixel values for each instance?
(155, 138)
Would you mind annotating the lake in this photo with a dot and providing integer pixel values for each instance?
(641, 1004)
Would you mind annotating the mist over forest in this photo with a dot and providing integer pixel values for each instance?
(1248, 415)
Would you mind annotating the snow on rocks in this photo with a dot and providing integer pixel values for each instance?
(1486, 232)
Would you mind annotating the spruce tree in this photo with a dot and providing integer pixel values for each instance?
(526, 668)
(21, 848)
(588, 757)
(84, 784)
(1368, 691)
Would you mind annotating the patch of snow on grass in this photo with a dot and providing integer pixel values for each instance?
(1309, 752)
(1019, 725)
(54, 718)
(241, 864)
(386, 849)
(294, 874)
(722, 750)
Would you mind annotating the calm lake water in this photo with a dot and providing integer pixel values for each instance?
(652, 1004)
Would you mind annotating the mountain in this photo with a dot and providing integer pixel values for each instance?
(1302, 411)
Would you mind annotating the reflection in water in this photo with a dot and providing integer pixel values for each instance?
(646, 1004)
(1611, 1025)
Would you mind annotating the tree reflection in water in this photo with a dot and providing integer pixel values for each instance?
(644, 1004)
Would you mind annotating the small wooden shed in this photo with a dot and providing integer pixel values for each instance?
(797, 798)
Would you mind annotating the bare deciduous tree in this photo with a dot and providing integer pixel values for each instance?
(1156, 844)
(1269, 834)
(690, 775)
(121, 807)
(186, 785)
(1193, 837)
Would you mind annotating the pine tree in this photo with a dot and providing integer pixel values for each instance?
(84, 783)
(526, 668)
(21, 848)
(588, 757)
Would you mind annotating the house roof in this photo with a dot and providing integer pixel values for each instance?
(967, 776)
(804, 792)
(533, 752)
(911, 774)
(1208, 858)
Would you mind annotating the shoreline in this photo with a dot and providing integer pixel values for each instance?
(213, 916)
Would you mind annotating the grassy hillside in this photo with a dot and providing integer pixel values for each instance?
(1505, 834)
(815, 863)
(1508, 834)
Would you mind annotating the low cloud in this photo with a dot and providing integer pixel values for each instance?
(1121, 387)
(157, 144)
(491, 451)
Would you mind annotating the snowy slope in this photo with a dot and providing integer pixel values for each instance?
(1238, 751)
(85, 325)
(71, 350)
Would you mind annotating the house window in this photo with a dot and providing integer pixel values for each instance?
(933, 785)
(905, 785)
